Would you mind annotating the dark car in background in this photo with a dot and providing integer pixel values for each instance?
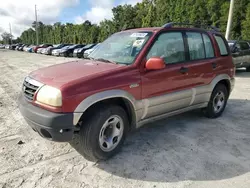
(49, 50)
(20, 48)
(13, 46)
(23, 47)
(17, 46)
(69, 51)
(80, 51)
(241, 53)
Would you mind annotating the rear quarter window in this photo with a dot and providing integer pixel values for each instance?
(222, 45)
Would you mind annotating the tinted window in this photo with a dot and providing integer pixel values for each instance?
(170, 47)
(196, 46)
(208, 46)
(221, 44)
(244, 46)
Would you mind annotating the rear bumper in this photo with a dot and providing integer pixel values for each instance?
(52, 126)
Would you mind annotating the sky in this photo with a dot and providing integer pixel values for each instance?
(20, 13)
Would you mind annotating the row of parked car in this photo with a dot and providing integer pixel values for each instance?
(64, 50)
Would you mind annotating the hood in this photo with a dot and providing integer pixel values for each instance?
(61, 74)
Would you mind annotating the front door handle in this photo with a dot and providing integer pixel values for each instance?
(183, 70)
(214, 65)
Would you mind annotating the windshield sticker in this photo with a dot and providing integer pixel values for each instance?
(138, 43)
(139, 35)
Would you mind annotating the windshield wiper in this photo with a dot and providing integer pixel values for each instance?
(104, 60)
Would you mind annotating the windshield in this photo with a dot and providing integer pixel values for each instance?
(66, 47)
(73, 46)
(121, 48)
(87, 46)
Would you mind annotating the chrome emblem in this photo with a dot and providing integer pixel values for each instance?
(134, 85)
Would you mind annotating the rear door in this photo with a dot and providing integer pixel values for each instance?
(246, 52)
(202, 65)
(238, 54)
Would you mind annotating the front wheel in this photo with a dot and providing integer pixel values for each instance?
(218, 102)
(102, 136)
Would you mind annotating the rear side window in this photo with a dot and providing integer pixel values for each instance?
(222, 45)
(196, 46)
(208, 46)
(244, 46)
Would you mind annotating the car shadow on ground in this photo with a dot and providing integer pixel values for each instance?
(187, 147)
(242, 73)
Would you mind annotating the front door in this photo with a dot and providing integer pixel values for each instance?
(168, 89)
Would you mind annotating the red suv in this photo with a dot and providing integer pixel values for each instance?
(134, 77)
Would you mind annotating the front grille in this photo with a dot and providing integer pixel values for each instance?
(29, 88)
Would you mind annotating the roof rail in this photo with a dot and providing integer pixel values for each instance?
(196, 25)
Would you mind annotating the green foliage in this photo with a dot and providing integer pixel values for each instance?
(148, 13)
(246, 25)
(6, 37)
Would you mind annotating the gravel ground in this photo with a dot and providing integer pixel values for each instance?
(183, 151)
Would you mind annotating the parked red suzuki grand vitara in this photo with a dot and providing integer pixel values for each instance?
(134, 77)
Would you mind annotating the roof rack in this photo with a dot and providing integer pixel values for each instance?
(196, 25)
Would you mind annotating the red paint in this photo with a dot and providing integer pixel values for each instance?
(79, 79)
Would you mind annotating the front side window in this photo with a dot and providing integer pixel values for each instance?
(121, 48)
(222, 45)
(170, 47)
(196, 46)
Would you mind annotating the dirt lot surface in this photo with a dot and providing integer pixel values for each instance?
(188, 150)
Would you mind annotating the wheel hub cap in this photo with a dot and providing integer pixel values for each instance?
(111, 133)
(218, 102)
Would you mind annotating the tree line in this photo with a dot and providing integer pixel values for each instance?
(148, 13)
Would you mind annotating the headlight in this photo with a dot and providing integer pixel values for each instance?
(50, 96)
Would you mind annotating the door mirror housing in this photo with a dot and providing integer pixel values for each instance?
(155, 63)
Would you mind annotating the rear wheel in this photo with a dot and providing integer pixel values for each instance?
(103, 134)
(218, 102)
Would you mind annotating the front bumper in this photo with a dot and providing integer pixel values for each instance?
(56, 54)
(86, 56)
(79, 55)
(52, 126)
(64, 54)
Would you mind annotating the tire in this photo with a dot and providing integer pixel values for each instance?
(210, 111)
(248, 69)
(88, 141)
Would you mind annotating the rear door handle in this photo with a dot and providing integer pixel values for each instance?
(214, 65)
(183, 70)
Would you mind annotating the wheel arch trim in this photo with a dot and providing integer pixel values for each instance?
(98, 97)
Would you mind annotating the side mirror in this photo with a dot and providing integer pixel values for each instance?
(155, 63)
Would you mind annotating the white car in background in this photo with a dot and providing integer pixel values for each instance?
(88, 52)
